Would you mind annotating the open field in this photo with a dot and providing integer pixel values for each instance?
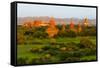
(23, 50)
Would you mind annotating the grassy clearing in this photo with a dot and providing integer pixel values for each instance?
(88, 58)
(24, 50)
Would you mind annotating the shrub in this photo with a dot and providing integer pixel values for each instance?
(50, 47)
(28, 33)
(84, 52)
(86, 43)
(62, 34)
(45, 60)
(71, 33)
(72, 59)
(51, 52)
(72, 46)
(63, 48)
(48, 55)
(69, 47)
(46, 47)
(36, 50)
(21, 61)
(63, 55)
(20, 38)
(35, 61)
(41, 60)
(40, 34)
(89, 31)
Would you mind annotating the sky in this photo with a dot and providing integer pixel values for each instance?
(31, 10)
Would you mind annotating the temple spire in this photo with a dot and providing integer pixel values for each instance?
(52, 30)
(71, 24)
(63, 26)
(79, 27)
(86, 22)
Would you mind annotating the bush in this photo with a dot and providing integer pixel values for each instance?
(46, 47)
(72, 46)
(62, 34)
(50, 47)
(20, 38)
(51, 52)
(86, 43)
(69, 47)
(35, 61)
(72, 59)
(22, 61)
(71, 33)
(63, 55)
(40, 34)
(36, 50)
(84, 52)
(28, 33)
(41, 60)
(90, 31)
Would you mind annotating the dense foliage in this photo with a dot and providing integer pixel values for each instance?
(24, 35)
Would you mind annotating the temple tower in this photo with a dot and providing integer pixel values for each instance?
(85, 22)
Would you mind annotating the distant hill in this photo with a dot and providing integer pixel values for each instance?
(21, 20)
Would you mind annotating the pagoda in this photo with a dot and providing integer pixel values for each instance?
(72, 25)
(79, 27)
(86, 22)
(52, 30)
(63, 26)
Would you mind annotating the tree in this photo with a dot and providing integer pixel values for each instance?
(20, 38)
(71, 33)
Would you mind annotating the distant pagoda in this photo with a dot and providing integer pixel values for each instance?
(52, 30)
(63, 26)
(86, 22)
(79, 27)
(72, 25)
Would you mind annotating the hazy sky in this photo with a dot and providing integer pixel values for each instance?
(30, 10)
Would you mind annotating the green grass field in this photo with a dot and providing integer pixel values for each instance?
(24, 50)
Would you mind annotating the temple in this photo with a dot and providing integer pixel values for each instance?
(52, 30)
(86, 22)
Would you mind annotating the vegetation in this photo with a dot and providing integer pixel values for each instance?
(55, 43)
